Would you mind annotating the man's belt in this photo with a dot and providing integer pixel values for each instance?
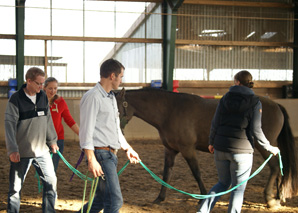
(108, 149)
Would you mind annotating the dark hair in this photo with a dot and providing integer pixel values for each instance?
(33, 72)
(245, 78)
(110, 66)
(49, 80)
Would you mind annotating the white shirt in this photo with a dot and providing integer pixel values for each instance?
(32, 98)
(99, 120)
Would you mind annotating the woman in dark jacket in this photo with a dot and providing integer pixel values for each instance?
(235, 125)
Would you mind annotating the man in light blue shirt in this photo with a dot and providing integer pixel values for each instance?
(101, 137)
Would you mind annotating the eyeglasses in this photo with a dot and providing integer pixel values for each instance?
(39, 84)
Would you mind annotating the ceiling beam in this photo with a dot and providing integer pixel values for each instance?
(239, 3)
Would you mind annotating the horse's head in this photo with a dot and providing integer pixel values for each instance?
(125, 110)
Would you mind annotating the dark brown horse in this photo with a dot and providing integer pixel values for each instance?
(183, 122)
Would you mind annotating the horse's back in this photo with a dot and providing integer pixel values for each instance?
(204, 110)
(194, 110)
(194, 115)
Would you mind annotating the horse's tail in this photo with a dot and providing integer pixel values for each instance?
(286, 144)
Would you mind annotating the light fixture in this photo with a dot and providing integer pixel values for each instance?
(268, 35)
(212, 33)
(251, 34)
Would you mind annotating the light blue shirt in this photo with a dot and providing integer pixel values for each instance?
(99, 120)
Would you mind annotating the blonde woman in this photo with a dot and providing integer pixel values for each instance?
(59, 110)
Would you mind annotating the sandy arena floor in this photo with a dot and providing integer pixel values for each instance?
(138, 187)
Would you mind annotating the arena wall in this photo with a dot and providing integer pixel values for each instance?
(138, 129)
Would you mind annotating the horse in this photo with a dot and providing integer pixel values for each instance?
(183, 122)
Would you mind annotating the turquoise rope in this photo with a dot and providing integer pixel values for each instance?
(84, 194)
(40, 186)
(196, 196)
(121, 170)
(38, 182)
(280, 164)
(199, 196)
(78, 173)
(92, 193)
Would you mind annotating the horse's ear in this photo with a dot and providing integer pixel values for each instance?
(122, 93)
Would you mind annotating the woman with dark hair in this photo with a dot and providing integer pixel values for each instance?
(59, 110)
(235, 126)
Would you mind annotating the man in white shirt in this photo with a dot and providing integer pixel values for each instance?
(101, 137)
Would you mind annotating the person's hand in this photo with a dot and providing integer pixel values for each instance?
(132, 155)
(211, 149)
(54, 148)
(14, 157)
(95, 168)
(275, 150)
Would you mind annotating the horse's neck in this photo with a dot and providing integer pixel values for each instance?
(150, 108)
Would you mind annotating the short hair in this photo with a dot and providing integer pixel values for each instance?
(49, 80)
(33, 72)
(110, 66)
(245, 78)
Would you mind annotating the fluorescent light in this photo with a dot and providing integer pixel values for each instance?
(251, 34)
(212, 33)
(268, 35)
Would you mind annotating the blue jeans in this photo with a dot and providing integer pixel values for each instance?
(108, 194)
(17, 175)
(56, 157)
(232, 170)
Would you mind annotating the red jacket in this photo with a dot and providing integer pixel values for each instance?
(59, 110)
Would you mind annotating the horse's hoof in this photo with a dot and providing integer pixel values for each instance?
(273, 204)
(158, 200)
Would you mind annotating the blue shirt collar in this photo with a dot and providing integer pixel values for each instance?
(103, 92)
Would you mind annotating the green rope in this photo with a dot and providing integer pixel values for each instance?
(198, 196)
(92, 193)
(38, 182)
(40, 186)
(84, 194)
(86, 179)
(78, 173)
(280, 164)
(121, 170)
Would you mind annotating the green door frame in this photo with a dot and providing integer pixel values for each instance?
(20, 29)
(295, 52)
(169, 38)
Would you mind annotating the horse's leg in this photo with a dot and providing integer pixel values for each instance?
(277, 189)
(170, 156)
(268, 191)
(273, 177)
(192, 161)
